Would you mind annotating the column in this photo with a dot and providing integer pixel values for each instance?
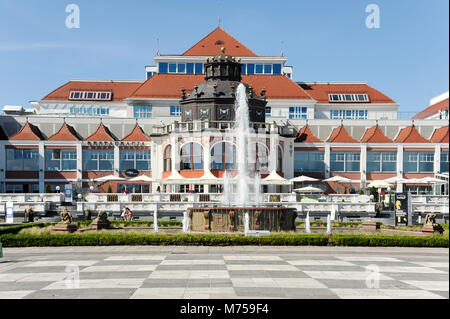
(363, 164)
(437, 166)
(175, 154)
(116, 160)
(400, 167)
(41, 167)
(206, 159)
(2, 168)
(79, 165)
(327, 160)
(156, 164)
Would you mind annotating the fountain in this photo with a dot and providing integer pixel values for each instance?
(307, 224)
(224, 98)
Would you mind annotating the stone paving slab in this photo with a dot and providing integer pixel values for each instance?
(247, 272)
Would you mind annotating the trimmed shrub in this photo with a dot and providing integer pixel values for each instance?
(282, 239)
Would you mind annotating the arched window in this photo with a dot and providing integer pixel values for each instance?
(168, 159)
(262, 158)
(279, 160)
(223, 156)
(191, 157)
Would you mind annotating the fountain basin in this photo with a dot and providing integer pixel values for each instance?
(231, 219)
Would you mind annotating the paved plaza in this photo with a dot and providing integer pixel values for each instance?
(224, 272)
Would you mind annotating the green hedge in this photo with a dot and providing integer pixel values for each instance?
(105, 239)
(17, 228)
(334, 224)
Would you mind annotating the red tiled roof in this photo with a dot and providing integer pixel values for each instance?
(306, 136)
(340, 135)
(218, 38)
(28, 132)
(441, 135)
(120, 90)
(65, 133)
(410, 135)
(375, 135)
(432, 109)
(136, 135)
(102, 134)
(320, 91)
(169, 86)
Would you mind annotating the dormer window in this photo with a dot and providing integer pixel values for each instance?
(219, 42)
(79, 95)
(348, 97)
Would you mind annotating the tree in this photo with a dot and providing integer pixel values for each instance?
(109, 189)
(374, 192)
(48, 189)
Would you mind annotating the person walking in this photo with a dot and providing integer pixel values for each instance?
(124, 214)
(130, 215)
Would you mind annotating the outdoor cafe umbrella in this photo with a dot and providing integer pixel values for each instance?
(208, 178)
(142, 178)
(308, 189)
(338, 179)
(109, 178)
(174, 178)
(275, 179)
(302, 179)
(379, 184)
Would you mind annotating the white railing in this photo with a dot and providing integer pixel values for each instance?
(32, 198)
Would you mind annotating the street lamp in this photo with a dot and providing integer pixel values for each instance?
(57, 189)
(79, 197)
(91, 188)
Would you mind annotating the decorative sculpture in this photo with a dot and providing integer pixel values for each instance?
(101, 222)
(66, 222)
(430, 225)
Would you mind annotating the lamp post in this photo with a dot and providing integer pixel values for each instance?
(57, 189)
(91, 188)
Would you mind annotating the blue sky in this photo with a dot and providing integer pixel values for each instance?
(407, 58)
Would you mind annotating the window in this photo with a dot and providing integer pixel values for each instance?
(190, 68)
(345, 161)
(135, 159)
(192, 157)
(142, 111)
(168, 159)
(418, 162)
(298, 113)
(348, 114)
(288, 75)
(133, 188)
(22, 159)
(277, 69)
(181, 68)
(381, 162)
(98, 160)
(268, 111)
(244, 69)
(309, 161)
(60, 160)
(198, 68)
(259, 69)
(267, 68)
(250, 68)
(103, 96)
(223, 156)
(444, 162)
(172, 68)
(163, 67)
(348, 97)
(175, 110)
(89, 110)
(149, 75)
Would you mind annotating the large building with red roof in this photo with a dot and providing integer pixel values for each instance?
(87, 129)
